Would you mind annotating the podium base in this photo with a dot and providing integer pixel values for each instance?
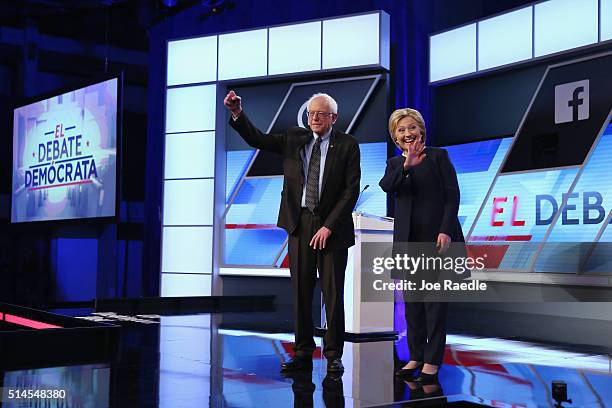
(362, 337)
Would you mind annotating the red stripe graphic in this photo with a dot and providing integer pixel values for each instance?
(507, 238)
(61, 185)
(285, 263)
(492, 254)
(251, 226)
(22, 321)
(288, 347)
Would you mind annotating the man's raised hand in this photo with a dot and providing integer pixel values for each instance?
(234, 103)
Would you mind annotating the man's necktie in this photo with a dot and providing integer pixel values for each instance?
(312, 181)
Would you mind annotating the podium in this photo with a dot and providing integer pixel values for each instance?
(365, 320)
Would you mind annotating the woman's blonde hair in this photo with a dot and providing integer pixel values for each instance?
(400, 114)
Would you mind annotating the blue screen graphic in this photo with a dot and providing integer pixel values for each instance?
(251, 236)
(520, 208)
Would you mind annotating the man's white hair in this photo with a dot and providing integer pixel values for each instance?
(333, 105)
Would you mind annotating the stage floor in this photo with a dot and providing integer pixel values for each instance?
(202, 360)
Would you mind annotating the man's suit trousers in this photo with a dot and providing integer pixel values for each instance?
(303, 264)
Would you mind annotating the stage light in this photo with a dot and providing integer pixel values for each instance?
(215, 7)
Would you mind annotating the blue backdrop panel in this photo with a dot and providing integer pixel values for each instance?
(251, 237)
(236, 162)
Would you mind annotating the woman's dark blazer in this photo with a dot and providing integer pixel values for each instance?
(441, 208)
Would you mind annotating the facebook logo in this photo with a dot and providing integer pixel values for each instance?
(572, 101)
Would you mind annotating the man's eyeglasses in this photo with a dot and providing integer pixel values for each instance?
(314, 114)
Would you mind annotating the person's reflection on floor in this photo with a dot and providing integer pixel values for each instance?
(333, 391)
(421, 391)
(303, 390)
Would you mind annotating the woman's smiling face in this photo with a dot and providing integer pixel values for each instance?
(407, 133)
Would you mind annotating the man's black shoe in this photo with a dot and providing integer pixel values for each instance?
(297, 364)
(334, 365)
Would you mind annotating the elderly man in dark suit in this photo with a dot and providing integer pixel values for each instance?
(320, 188)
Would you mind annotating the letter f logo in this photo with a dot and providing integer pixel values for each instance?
(572, 101)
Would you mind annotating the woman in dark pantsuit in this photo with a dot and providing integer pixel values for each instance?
(426, 191)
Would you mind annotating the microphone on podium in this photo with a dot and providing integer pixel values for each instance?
(360, 193)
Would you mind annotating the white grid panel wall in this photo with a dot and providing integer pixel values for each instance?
(542, 29)
(194, 67)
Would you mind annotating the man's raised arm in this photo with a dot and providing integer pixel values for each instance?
(253, 136)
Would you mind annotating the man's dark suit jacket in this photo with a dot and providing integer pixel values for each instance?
(441, 208)
(341, 176)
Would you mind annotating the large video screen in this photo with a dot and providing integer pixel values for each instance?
(545, 220)
(65, 155)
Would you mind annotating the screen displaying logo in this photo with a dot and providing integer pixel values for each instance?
(572, 102)
(65, 155)
(565, 118)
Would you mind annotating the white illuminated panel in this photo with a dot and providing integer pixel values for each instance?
(188, 202)
(564, 24)
(178, 285)
(281, 272)
(190, 109)
(243, 55)
(351, 41)
(452, 53)
(187, 249)
(289, 337)
(193, 60)
(190, 155)
(295, 48)
(505, 39)
(606, 20)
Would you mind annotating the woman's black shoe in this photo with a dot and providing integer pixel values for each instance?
(425, 378)
(408, 372)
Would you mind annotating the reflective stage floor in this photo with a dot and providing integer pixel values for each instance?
(200, 361)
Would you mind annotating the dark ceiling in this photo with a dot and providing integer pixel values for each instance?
(122, 23)
(125, 23)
